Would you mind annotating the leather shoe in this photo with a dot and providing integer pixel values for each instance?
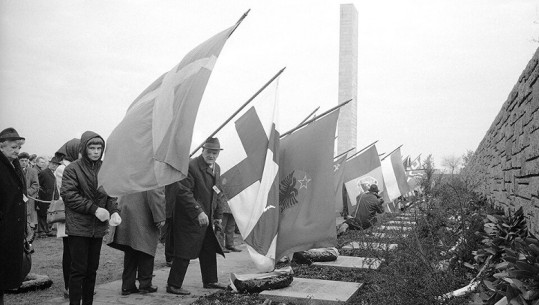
(149, 289)
(225, 250)
(233, 249)
(215, 286)
(176, 290)
(129, 291)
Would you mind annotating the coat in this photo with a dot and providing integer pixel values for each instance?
(47, 185)
(12, 222)
(32, 190)
(82, 196)
(194, 195)
(139, 212)
(368, 204)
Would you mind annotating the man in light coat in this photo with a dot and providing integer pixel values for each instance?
(32, 189)
(143, 215)
(196, 211)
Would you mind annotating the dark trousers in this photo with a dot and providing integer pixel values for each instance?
(66, 262)
(208, 264)
(137, 261)
(169, 240)
(226, 237)
(42, 225)
(85, 253)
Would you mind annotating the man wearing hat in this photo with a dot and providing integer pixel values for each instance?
(32, 189)
(368, 205)
(47, 192)
(196, 211)
(12, 211)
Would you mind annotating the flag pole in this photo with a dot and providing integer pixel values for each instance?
(239, 21)
(316, 118)
(239, 109)
(391, 152)
(310, 114)
(344, 153)
(363, 149)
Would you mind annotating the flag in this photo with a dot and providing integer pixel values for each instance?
(307, 218)
(361, 171)
(150, 146)
(394, 175)
(250, 177)
(406, 163)
(338, 180)
(414, 173)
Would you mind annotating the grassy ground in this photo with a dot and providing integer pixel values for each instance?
(47, 260)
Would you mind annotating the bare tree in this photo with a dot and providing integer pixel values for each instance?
(467, 157)
(452, 163)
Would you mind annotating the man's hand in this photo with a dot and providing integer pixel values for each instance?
(217, 223)
(159, 225)
(203, 219)
(102, 214)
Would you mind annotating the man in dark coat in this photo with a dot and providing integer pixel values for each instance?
(47, 190)
(32, 189)
(195, 213)
(12, 211)
(368, 205)
(88, 209)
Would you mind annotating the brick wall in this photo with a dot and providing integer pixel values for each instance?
(505, 166)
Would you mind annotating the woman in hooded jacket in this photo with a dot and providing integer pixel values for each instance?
(68, 153)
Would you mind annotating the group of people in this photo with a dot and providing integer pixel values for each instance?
(190, 212)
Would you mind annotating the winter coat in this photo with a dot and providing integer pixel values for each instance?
(82, 196)
(12, 222)
(194, 195)
(139, 212)
(47, 184)
(368, 204)
(32, 191)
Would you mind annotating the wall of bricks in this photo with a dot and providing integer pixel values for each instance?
(505, 166)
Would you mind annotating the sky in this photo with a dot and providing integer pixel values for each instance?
(432, 74)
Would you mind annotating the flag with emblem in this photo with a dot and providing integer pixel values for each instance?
(150, 146)
(250, 178)
(394, 175)
(360, 173)
(338, 178)
(414, 173)
(306, 189)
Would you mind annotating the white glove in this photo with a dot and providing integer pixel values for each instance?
(115, 219)
(102, 214)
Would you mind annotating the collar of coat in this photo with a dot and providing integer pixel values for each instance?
(205, 166)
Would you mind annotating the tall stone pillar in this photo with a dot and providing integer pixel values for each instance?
(347, 125)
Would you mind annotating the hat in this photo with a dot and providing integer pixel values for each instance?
(55, 160)
(24, 155)
(373, 188)
(212, 143)
(9, 134)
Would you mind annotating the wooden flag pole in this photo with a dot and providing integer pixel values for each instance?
(239, 109)
(362, 150)
(344, 153)
(316, 118)
(310, 114)
(391, 152)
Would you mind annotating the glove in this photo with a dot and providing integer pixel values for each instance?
(102, 214)
(203, 219)
(159, 225)
(217, 223)
(115, 219)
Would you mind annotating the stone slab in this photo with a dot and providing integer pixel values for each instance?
(384, 235)
(312, 291)
(395, 228)
(401, 223)
(352, 262)
(371, 245)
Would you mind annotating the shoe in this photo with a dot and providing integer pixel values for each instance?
(176, 290)
(225, 250)
(215, 286)
(169, 263)
(128, 291)
(150, 289)
(233, 249)
(50, 234)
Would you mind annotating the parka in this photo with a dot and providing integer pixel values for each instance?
(82, 196)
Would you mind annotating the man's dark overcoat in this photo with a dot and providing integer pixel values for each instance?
(12, 222)
(194, 195)
(47, 184)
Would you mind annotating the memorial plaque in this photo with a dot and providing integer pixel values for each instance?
(395, 228)
(384, 235)
(352, 262)
(312, 291)
(401, 222)
(372, 245)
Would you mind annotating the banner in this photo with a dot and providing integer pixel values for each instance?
(338, 180)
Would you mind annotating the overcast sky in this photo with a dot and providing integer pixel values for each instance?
(432, 74)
